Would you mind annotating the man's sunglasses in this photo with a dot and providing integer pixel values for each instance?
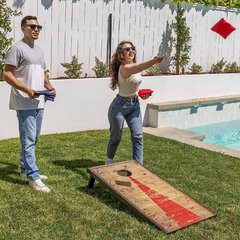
(33, 26)
(129, 48)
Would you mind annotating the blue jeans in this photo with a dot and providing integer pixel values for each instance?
(30, 122)
(127, 109)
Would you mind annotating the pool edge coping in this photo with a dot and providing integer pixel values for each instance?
(195, 102)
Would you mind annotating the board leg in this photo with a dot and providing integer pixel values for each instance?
(91, 182)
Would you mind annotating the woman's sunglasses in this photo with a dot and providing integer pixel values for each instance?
(33, 26)
(129, 48)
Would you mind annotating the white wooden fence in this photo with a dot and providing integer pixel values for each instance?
(80, 27)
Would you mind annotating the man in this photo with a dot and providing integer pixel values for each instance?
(24, 71)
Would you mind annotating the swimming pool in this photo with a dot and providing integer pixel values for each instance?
(226, 134)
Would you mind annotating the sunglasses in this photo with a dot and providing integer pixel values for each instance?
(129, 48)
(33, 26)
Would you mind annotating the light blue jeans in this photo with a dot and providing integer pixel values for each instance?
(127, 109)
(30, 122)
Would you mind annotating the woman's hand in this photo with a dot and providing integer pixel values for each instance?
(158, 59)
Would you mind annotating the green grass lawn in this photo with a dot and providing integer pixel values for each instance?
(71, 211)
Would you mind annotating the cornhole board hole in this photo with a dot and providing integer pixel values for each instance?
(149, 195)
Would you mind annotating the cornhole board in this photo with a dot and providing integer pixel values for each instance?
(149, 195)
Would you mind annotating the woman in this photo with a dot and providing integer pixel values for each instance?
(125, 73)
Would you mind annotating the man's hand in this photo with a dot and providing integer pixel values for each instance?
(32, 93)
(52, 90)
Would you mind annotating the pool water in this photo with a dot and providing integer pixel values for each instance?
(226, 134)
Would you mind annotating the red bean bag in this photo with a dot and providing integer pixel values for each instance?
(142, 92)
(223, 28)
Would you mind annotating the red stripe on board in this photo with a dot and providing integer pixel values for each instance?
(178, 213)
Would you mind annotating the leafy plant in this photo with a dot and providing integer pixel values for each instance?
(195, 68)
(232, 68)
(101, 68)
(46, 73)
(73, 68)
(6, 14)
(218, 67)
(208, 3)
(154, 69)
(181, 42)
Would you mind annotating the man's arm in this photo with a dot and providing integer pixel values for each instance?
(13, 81)
(48, 85)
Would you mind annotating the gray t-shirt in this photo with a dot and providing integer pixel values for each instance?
(30, 65)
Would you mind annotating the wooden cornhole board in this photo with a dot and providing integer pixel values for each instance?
(151, 196)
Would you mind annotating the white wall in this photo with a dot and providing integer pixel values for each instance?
(83, 104)
(170, 88)
(79, 28)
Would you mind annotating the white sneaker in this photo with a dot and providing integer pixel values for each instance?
(23, 175)
(43, 177)
(39, 185)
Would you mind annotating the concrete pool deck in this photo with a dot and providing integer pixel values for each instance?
(190, 138)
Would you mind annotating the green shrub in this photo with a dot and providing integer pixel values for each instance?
(218, 67)
(154, 69)
(73, 69)
(100, 69)
(195, 68)
(6, 14)
(232, 68)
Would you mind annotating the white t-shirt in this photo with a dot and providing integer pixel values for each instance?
(30, 65)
